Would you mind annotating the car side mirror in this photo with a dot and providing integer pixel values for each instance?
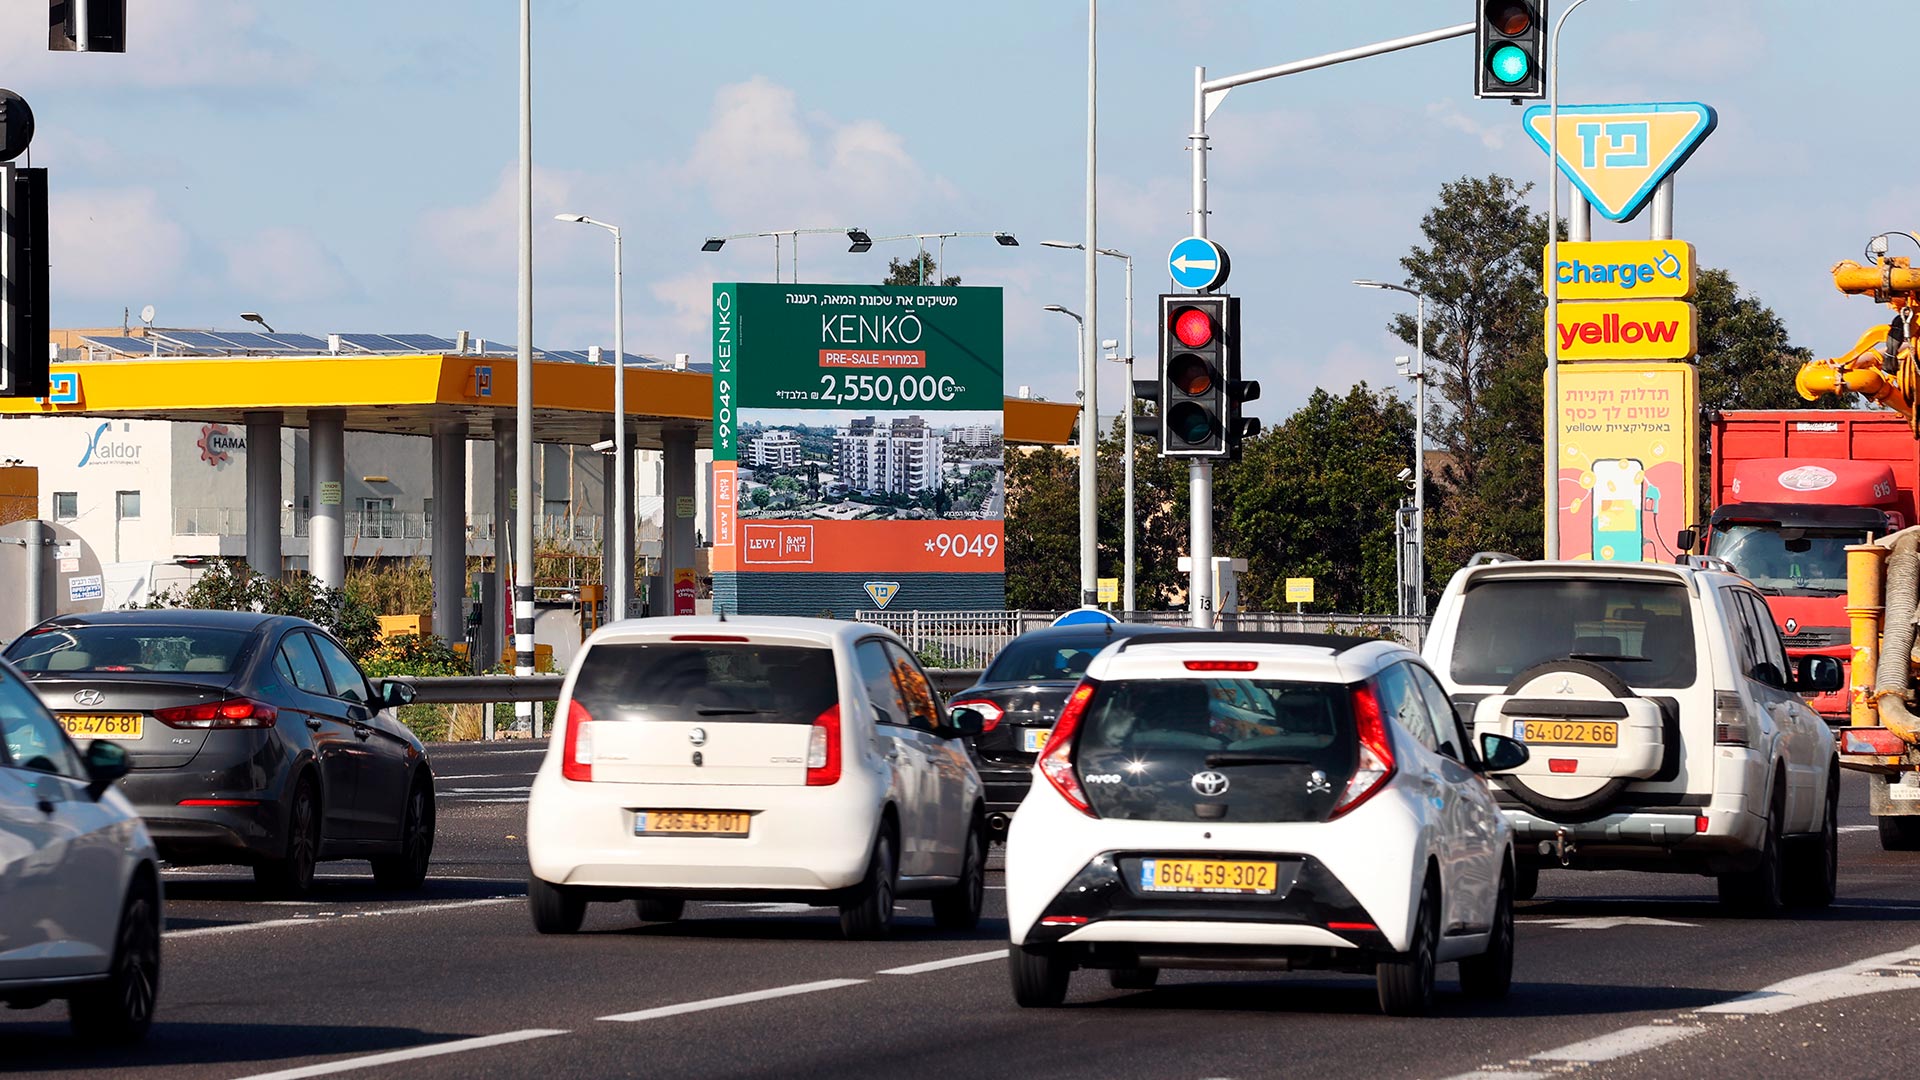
(1818, 675)
(1501, 754)
(964, 722)
(394, 693)
(106, 762)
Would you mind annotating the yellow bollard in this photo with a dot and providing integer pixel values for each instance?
(1865, 605)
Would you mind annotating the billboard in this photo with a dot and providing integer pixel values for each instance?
(858, 448)
(1627, 478)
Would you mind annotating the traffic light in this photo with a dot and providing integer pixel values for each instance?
(1239, 391)
(1198, 335)
(1511, 54)
(106, 25)
(23, 299)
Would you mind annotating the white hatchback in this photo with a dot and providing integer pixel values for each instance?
(1262, 801)
(803, 760)
(79, 882)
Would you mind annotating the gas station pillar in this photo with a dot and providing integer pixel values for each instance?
(326, 532)
(263, 493)
(449, 529)
(498, 607)
(676, 529)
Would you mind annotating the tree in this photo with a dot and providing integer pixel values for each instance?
(919, 270)
(1042, 530)
(231, 585)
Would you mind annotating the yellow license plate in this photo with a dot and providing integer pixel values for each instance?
(1569, 732)
(1208, 875)
(689, 823)
(103, 725)
(1034, 739)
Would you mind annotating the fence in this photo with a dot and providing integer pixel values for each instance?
(970, 639)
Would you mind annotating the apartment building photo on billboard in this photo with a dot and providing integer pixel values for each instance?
(896, 456)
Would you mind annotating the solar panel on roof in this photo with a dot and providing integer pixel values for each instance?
(424, 342)
(134, 345)
(301, 342)
(195, 339)
(252, 342)
(373, 342)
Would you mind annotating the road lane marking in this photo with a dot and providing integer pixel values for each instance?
(391, 1057)
(1602, 922)
(269, 924)
(1859, 828)
(491, 775)
(731, 1000)
(951, 961)
(1618, 1044)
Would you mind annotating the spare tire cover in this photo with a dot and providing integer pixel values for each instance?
(1590, 735)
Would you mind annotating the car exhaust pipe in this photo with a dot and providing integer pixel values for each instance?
(997, 825)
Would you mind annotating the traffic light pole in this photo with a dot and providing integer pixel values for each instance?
(1207, 95)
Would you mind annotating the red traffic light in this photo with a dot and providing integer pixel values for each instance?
(1510, 17)
(1193, 327)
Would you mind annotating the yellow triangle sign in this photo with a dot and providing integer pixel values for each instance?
(882, 592)
(1615, 155)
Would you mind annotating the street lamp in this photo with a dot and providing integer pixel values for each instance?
(621, 557)
(1089, 446)
(1004, 239)
(1552, 448)
(1418, 373)
(254, 316)
(857, 241)
(1126, 586)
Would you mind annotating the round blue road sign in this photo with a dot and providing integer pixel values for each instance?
(1084, 616)
(1197, 263)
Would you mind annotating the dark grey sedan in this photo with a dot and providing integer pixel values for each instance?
(253, 739)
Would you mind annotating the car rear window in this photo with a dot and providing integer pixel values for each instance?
(144, 648)
(1050, 657)
(725, 682)
(1642, 631)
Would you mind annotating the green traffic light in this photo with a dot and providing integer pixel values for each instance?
(1510, 63)
(1193, 424)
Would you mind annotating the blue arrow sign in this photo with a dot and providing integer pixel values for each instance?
(1197, 263)
(1084, 616)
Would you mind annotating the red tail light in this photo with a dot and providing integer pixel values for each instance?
(229, 803)
(990, 713)
(1056, 758)
(1563, 765)
(1221, 665)
(823, 749)
(735, 638)
(231, 713)
(576, 750)
(1375, 767)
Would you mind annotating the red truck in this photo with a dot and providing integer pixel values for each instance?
(1791, 489)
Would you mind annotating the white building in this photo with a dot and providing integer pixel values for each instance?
(776, 449)
(973, 435)
(900, 457)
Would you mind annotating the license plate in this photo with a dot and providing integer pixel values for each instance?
(1567, 732)
(103, 725)
(1208, 876)
(689, 823)
(1034, 739)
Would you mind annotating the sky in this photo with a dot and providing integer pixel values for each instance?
(350, 165)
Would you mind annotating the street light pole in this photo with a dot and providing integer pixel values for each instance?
(1089, 358)
(1089, 441)
(523, 388)
(621, 549)
(1551, 443)
(1128, 567)
(1419, 377)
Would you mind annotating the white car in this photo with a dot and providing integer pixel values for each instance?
(80, 899)
(1667, 722)
(1262, 801)
(804, 760)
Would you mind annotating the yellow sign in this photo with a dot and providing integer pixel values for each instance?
(1623, 270)
(1626, 330)
(1299, 590)
(1626, 482)
(1109, 589)
(1615, 155)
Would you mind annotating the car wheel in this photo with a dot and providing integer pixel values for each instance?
(1526, 882)
(868, 913)
(1899, 833)
(958, 907)
(292, 874)
(1489, 976)
(1133, 978)
(1405, 983)
(120, 1008)
(407, 869)
(1813, 876)
(1761, 890)
(1039, 976)
(556, 909)
(661, 909)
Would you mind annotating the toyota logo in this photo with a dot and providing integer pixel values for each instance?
(698, 736)
(1210, 783)
(89, 697)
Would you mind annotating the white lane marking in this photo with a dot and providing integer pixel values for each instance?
(269, 924)
(1603, 922)
(732, 999)
(1851, 980)
(501, 789)
(483, 776)
(472, 799)
(1859, 828)
(951, 961)
(389, 1058)
(1622, 1043)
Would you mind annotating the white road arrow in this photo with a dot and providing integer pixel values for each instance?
(1183, 264)
(1605, 922)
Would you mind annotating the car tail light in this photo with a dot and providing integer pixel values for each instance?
(734, 638)
(823, 749)
(1056, 758)
(1221, 665)
(231, 713)
(1065, 920)
(1361, 927)
(1376, 752)
(1563, 765)
(990, 714)
(1729, 719)
(1871, 740)
(576, 750)
(1700, 823)
(220, 802)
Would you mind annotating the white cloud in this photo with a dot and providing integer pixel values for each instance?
(171, 45)
(484, 238)
(1448, 115)
(113, 243)
(287, 264)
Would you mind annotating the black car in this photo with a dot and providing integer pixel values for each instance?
(252, 738)
(1020, 695)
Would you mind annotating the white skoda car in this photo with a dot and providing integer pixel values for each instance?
(1270, 801)
(804, 760)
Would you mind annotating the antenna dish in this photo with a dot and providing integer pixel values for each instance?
(146, 314)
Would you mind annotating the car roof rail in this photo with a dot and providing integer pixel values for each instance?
(1707, 562)
(1482, 558)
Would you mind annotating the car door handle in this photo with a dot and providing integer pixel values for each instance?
(46, 807)
(362, 732)
(313, 723)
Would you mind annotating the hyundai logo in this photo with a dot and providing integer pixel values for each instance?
(89, 697)
(1210, 783)
(698, 736)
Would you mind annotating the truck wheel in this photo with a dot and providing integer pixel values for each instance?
(1899, 833)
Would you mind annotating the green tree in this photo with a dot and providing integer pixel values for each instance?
(1042, 530)
(231, 585)
(919, 270)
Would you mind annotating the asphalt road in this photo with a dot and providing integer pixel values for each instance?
(1618, 976)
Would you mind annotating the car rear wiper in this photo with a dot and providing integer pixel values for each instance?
(727, 710)
(1607, 656)
(1250, 757)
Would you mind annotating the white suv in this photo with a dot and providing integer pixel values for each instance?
(1667, 724)
(1212, 800)
(805, 760)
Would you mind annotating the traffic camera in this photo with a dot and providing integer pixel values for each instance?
(1510, 56)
